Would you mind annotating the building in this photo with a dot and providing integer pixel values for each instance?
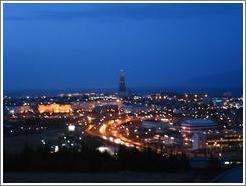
(18, 109)
(55, 108)
(153, 126)
(218, 102)
(226, 142)
(122, 85)
(197, 125)
(198, 141)
(192, 131)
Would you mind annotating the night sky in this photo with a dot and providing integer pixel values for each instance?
(83, 46)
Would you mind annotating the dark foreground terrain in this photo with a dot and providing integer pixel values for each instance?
(38, 165)
(234, 175)
(124, 177)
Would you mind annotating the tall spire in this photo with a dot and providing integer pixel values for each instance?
(122, 84)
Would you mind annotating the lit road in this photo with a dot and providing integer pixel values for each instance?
(109, 131)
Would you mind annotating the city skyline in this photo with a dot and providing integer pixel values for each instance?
(123, 92)
(61, 45)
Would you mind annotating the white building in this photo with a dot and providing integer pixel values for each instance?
(198, 141)
(197, 125)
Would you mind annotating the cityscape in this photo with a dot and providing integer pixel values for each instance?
(121, 133)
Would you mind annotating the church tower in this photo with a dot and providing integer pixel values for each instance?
(122, 85)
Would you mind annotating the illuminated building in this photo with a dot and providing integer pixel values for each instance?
(198, 141)
(197, 125)
(19, 109)
(55, 108)
(25, 109)
(226, 141)
(218, 102)
(192, 132)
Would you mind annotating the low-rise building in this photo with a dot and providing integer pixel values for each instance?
(197, 125)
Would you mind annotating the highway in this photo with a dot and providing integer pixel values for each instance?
(109, 131)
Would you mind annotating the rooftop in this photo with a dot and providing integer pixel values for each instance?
(199, 122)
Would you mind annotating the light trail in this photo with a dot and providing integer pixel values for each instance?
(108, 131)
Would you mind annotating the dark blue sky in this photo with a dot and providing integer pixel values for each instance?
(80, 46)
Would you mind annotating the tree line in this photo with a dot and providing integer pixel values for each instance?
(91, 160)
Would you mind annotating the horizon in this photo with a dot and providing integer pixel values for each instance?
(141, 90)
